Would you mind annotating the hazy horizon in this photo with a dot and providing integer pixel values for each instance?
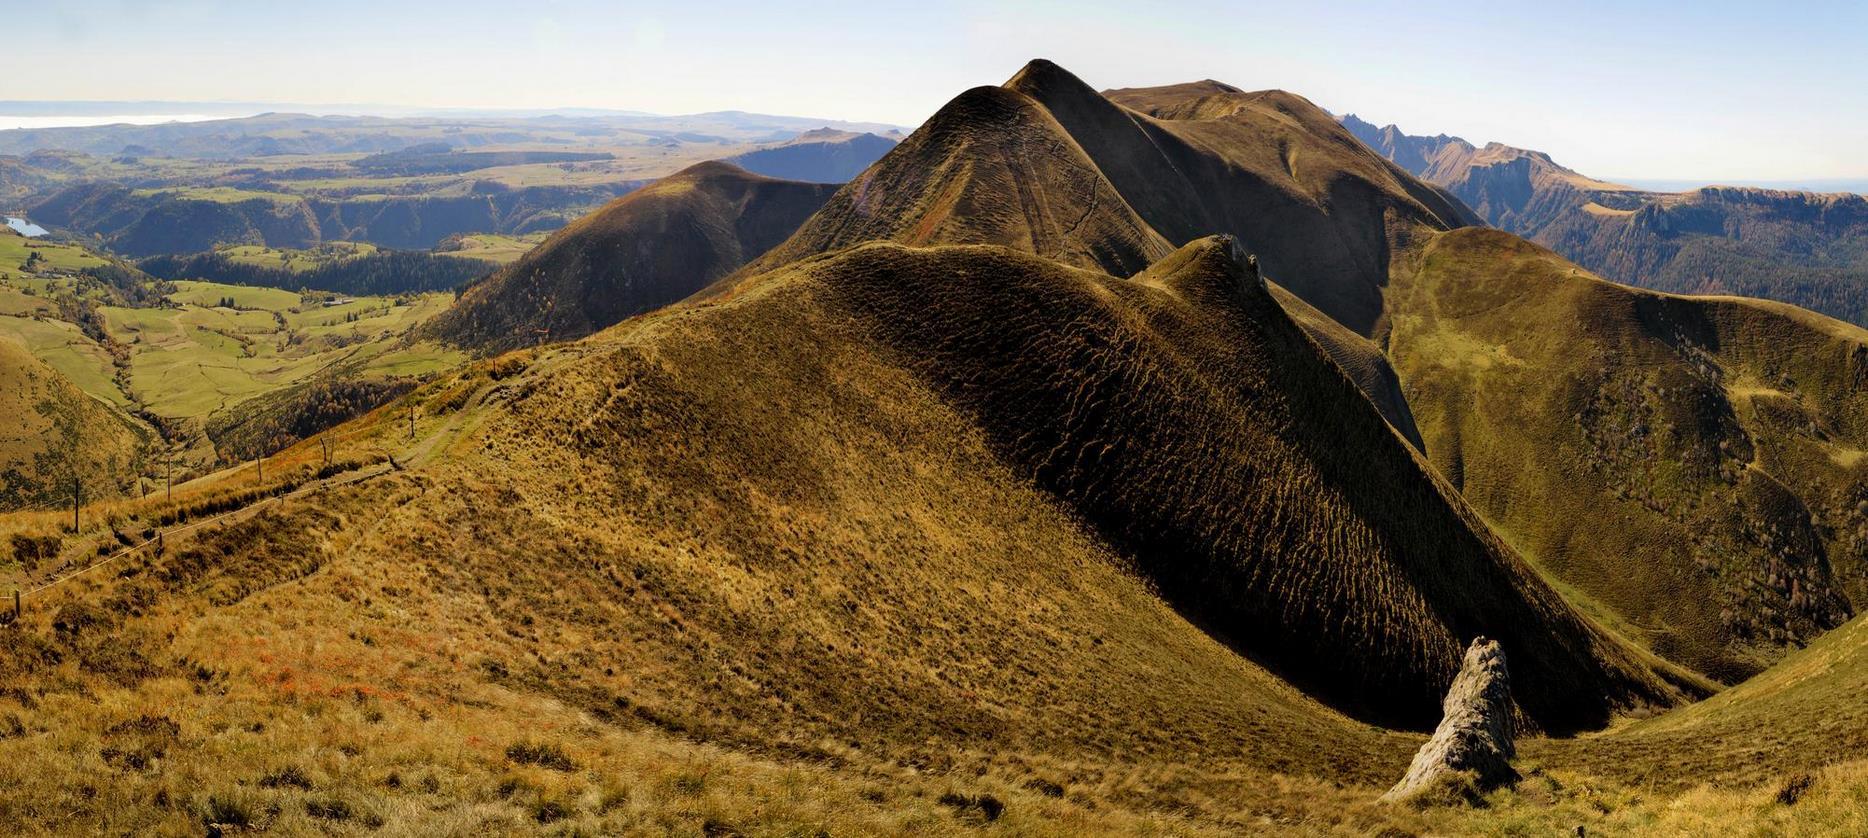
(1722, 91)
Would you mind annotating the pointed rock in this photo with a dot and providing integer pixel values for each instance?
(1471, 751)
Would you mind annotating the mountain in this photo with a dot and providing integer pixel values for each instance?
(1803, 248)
(642, 251)
(55, 433)
(1001, 497)
(1046, 164)
(961, 180)
(821, 155)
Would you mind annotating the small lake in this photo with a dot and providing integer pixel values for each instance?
(24, 227)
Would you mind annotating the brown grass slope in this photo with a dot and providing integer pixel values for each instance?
(1698, 465)
(948, 508)
(745, 523)
(53, 432)
(642, 251)
(1360, 359)
(1801, 714)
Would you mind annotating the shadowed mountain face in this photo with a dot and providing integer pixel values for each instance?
(824, 155)
(883, 403)
(643, 251)
(1802, 248)
(1332, 222)
(1181, 414)
(1046, 165)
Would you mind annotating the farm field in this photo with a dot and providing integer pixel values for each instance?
(199, 358)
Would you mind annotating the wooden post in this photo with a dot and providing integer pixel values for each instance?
(16, 604)
(411, 423)
(259, 470)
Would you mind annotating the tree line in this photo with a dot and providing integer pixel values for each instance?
(380, 274)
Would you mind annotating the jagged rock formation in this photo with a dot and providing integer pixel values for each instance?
(1472, 747)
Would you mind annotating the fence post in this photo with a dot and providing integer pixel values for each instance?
(16, 605)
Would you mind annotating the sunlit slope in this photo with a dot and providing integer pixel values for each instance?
(1802, 713)
(1699, 465)
(53, 432)
(991, 167)
(642, 251)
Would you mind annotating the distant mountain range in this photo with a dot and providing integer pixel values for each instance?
(1805, 248)
(299, 133)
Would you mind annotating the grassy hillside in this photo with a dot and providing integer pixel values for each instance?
(795, 537)
(55, 432)
(195, 358)
(1698, 464)
(643, 251)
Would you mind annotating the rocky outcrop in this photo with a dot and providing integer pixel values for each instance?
(1471, 750)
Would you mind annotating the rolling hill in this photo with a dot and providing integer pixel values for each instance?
(1802, 248)
(1736, 554)
(55, 432)
(645, 250)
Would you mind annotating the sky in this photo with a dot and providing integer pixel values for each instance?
(1695, 91)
